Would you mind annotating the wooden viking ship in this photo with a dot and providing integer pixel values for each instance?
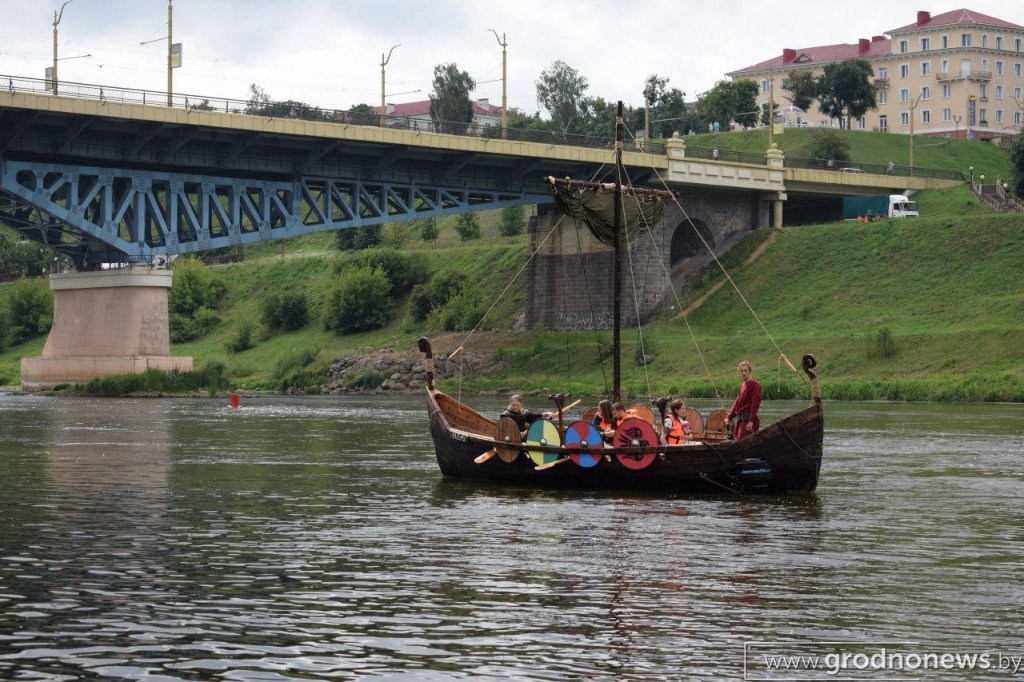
(782, 458)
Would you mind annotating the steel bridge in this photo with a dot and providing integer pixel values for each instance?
(106, 174)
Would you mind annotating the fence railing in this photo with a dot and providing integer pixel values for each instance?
(854, 167)
(715, 154)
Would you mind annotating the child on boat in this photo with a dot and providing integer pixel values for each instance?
(675, 429)
(522, 418)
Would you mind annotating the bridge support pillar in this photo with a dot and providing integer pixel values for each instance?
(105, 322)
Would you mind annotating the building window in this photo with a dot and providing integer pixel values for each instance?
(999, 92)
(983, 90)
(1017, 94)
(946, 90)
(945, 42)
(984, 40)
(999, 115)
(1016, 118)
(926, 92)
(982, 117)
(765, 86)
(903, 46)
(1017, 69)
(1016, 44)
(861, 123)
(999, 68)
(904, 70)
(883, 72)
(965, 40)
(883, 97)
(926, 116)
(883, 123)
(926, 44)
(984, 65)
(904, 94)
(947, 114)
(926, 68)
(945, 66)
(965, 67)
(904, 118)
(999, 42)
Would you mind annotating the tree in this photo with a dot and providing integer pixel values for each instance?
(845, 90)
(363, 114)
(30, 304)
(730, 101)
(360, 301)
(804, 89)
(397, 234)
(428, 229)
(451, 109)
(260, 104)
(828, 143)
(512, 219)
(468, 227)
(1017, 162)
(671, 114)
(562, 92)
(358, 238)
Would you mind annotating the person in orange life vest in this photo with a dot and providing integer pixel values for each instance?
(744, 410)
(676, 428)
(604, 418)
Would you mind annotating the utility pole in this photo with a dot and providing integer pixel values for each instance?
(170, 48)
(503, 41)
(912, 108)
(771, 109)
(383, 102)
(57, 16)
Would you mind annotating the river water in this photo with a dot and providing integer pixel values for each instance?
(314, 538)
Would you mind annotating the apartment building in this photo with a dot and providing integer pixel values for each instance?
(957, 74)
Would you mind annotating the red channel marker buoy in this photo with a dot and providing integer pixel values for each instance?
(234, 401)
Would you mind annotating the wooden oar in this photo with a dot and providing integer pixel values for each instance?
(542, 467)
(486, 456)
(572, 405)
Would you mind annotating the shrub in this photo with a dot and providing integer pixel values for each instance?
(184, 328)
(367, 378)
(303, 368)
(5, 329)
(1017, 164)
(193, 287)
(827, 143)
(512, 221)
(358, 238)
(5, 378)
(288, 311)
(396, 235)
(434, 294)
(242, 340)
(882, 344)
(462, 311)
(428, 229)
(468, 226)
(209, 378)
(403, 271)
(30, 308)
(360, 301)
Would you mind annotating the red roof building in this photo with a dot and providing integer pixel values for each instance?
(484, 113)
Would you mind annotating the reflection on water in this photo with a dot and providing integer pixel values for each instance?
(312, 538)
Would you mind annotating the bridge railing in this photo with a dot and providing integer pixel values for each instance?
(854, 167)
(715, 154)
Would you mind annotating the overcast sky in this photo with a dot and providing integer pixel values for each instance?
(328, 52)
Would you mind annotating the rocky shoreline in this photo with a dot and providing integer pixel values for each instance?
(402, 372)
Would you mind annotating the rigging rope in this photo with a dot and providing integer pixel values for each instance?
(636, 304)
(689, 329)
(590, 304)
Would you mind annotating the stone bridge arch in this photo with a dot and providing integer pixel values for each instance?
(686, 240)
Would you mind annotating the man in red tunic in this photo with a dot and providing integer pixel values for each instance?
(744, 410)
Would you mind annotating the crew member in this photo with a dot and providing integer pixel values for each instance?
(744, 410)
(522, 418)
(603, 419)
(676, 428)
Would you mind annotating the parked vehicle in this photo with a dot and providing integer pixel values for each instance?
(879, 206)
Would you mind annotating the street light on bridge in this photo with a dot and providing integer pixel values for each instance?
(503, 42)
(383, 97)
(57, 16)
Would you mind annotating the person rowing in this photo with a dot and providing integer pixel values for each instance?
(522, 418)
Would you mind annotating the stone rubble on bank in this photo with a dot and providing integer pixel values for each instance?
(405, 373)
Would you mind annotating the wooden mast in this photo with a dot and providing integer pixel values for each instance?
(617, 226)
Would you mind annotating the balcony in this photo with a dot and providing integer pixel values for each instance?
(948, 76)
(881, 83)
(980, 76)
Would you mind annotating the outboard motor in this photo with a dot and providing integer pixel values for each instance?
(754, 475)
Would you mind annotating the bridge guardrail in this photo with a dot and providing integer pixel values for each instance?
(874, 168)
(302, 111)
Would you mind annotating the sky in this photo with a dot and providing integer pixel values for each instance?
(328, 53)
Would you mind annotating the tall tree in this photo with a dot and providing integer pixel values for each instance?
(451, 109)
(845, 90)
(562, 91)
(671, 114)
(730, 101)
(803, 88)
(1017, 163)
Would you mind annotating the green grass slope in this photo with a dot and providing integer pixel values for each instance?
(870, 147)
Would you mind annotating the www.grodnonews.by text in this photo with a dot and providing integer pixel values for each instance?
(837, 662)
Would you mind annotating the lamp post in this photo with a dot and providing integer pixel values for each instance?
(57, 16)
(912, 108)
(170, 49)
(971, 169)
(503, 41)
(383, 98)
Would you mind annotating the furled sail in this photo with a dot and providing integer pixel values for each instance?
(595, 207)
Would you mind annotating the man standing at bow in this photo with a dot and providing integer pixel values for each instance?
(744, 410)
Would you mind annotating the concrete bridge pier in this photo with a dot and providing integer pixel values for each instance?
(105, 322)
